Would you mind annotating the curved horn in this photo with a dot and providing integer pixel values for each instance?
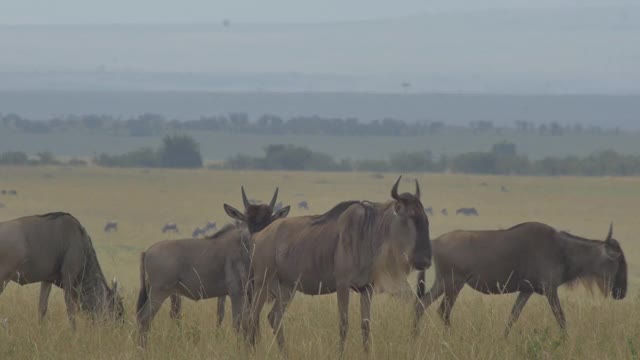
(273, 200)
(417, 189)
(394, 189)
(610, 234)
(244, 198)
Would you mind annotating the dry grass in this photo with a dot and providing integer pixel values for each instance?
(143, 200)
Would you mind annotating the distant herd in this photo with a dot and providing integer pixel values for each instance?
(264, 256)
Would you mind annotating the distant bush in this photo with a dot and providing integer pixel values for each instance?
(14, 158)
(288, 157)
(177, 151)
(144, 157)
(77, 162)
(180, 151)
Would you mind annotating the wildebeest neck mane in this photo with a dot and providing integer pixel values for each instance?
(337, 210)
(579, 238)
(92, 290)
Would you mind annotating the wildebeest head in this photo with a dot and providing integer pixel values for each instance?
(411, 226)
(257, 216)
(613, 266)
(115, 305)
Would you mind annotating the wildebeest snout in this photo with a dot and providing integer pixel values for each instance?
(422, 262)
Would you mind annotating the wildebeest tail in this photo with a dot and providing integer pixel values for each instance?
(421, 287)
(143, 295)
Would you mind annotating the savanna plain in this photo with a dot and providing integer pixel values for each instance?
(143, 200)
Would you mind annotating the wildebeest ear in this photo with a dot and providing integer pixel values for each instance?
(282, 213)
(234, 213)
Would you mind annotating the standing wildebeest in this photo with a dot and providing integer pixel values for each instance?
(216, 266)
(210, 226)
(170, 227)
(111, 226)
(198, 232)
(303, 205)
(12, 192)
(444, 212)
(428, 211)
(356, 245)
(470, 211)
(503, 188)
(527, 258)
(55, 249)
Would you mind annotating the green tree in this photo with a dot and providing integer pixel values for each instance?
(180, 151)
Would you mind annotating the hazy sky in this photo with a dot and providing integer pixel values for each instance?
(91, 11)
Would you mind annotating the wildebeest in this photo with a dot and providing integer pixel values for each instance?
(111, 226)
(354, 246)
(4, 192)
(12, 192)
(210, 226)
(428, 211)
(503, 188)
(527, 258)
(55, 249)
(170, 227)
(467, 211)
(198, 232)
(444, 212)
(215, 266)
(303, 205)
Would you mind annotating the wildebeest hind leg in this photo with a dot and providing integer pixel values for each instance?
(45, 291)
(423, 303)
(176, 306)
(451, 292)
(521, 301)
(284, 296)
(146, 314)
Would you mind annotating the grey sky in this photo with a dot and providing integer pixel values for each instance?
(131, 11)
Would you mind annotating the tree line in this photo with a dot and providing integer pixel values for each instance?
(156, 125)
(182, 151)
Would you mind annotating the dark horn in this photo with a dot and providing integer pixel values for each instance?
(273, 200)
(610, 234)
(244, 198)
(417, 189)
(394, 189)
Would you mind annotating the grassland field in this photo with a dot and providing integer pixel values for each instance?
(143, 200)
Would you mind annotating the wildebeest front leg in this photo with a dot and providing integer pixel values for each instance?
(176, 306)
(365, 313)
(45, 290)
(343, 310)
(284, 296)
(71, 307)
(521, 301)
(451, 292)
(221, 301)
(554, 302)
